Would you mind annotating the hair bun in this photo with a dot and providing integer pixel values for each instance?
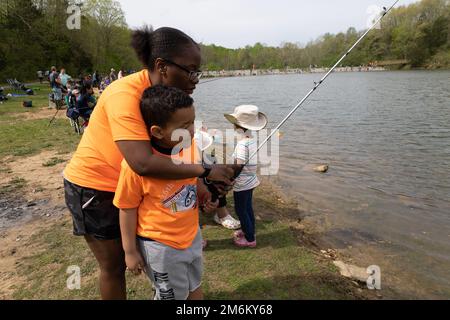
(141, 41)
(164, 42)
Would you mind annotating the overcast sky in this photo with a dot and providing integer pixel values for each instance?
(236, 23)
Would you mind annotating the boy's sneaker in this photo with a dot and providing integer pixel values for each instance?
(242, 242)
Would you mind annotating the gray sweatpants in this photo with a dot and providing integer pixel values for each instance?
(174, 273)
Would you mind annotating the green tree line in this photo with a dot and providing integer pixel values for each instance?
(34, 36)
(418, 33)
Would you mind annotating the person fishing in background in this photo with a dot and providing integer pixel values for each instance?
(64, 78)
(56, 85)
(86, 102)
(40, 75)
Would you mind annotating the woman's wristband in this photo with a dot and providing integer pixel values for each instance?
(207, 170)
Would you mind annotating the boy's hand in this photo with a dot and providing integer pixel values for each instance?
(134, 262)
(206, 203)
(205, 199)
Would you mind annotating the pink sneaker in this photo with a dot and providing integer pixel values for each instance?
(242, 242)
(238, 234)
(204, 244)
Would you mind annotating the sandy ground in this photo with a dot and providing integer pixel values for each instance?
(40, 203)
(24, 213)
(44, 113)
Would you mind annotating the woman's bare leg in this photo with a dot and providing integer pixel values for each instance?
(196, 294)
(222, 212)
(111, 260)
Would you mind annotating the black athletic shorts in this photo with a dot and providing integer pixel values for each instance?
(93, 212)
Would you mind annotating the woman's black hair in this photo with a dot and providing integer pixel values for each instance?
(164, 42)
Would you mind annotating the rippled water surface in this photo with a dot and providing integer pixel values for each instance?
(386, 138)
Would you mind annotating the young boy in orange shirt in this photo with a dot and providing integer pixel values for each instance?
(159, 218)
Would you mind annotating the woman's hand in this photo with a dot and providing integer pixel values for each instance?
(223, 173)
(134, 262)
(222, 187)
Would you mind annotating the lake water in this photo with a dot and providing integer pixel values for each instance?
(386, 138)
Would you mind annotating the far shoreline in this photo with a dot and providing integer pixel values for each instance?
(276, 72)
(270, 72)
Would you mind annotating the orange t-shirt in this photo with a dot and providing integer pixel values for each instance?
(116, 117)
(167, 209)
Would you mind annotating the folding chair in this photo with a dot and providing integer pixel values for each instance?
(79, 118)
(16, 85)
(12, 85)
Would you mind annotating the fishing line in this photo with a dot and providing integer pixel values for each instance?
(316, 86)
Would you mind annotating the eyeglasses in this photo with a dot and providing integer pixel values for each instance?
(193, 75)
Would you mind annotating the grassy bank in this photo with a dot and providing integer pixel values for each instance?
(35, 256)
(27, 131)
(283, 266)
(279, 268)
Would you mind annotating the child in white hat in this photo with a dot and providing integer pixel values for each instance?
(246, 118)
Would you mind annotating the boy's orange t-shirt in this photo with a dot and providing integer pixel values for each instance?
(167, 209)
(116, 117)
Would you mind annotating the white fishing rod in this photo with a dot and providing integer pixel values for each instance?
(316, 85)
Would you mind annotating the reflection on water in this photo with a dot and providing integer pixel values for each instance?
(386, 138)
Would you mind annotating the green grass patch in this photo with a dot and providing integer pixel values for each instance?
(46, 270)
(53, 162)
(20, 137)
(14, 105)
(25, 138)
(14, 185)
(277, 269)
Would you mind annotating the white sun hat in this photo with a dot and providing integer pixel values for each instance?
(248, 117)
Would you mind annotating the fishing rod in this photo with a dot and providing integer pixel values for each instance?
(58, 108)
(215, 192)
(316, 86)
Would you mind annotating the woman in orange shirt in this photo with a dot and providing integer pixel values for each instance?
(117, 131)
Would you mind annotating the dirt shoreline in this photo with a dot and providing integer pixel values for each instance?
(32, 203)
(39, 204)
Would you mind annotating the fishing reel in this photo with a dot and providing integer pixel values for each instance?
(216, 187)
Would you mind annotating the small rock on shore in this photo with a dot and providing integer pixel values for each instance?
(323, 168)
